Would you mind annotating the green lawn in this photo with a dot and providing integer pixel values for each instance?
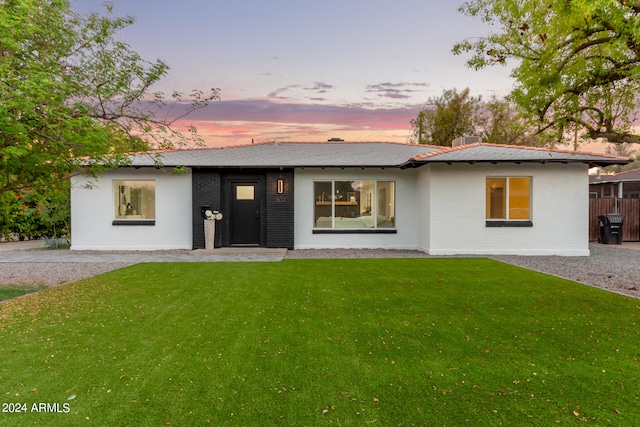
(315, 342)
(9, 292)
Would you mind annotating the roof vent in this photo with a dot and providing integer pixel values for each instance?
(464, 140)
(335, 140)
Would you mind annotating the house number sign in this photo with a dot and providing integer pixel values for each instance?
(280, 199)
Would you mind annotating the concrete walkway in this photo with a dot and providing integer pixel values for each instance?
(35, 251)
(21, 246)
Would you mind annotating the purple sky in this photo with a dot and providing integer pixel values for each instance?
(307, 70)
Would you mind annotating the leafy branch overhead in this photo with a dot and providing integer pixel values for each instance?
(578, 62)
(73, 96)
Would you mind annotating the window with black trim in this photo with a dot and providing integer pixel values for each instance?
(354, 205)
(508, 201)
(134, 201)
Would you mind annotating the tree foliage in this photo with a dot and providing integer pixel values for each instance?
(450, 115)
(30, 214)
(623, 150)
(455, 114)
(73, 97)
(578, 62)
(499, 122)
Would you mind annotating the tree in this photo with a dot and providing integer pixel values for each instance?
(499, 122)
(74, 98)
(29, 214)
(623, 150)
(458, 114)
(452, 115)
(578, 62)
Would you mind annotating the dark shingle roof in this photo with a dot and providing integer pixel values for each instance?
(482, 152)
(292, 154)
(632, 175)
(372, 154)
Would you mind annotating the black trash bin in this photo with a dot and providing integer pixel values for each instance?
(611, 229)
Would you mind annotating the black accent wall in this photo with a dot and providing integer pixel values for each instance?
(205, 190)
(211, 188)
(280, 214)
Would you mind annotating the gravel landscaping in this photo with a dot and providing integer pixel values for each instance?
(52, 273)
(609, 267)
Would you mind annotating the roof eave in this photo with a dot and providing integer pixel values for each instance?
(591, 163)
(266, 166)
(603, 164)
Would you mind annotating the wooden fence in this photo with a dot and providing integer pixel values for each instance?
(630, 208)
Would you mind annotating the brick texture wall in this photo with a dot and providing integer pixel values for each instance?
(280, 210)
(205, 192)
(212, 188)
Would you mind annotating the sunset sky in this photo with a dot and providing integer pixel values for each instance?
(307, 70)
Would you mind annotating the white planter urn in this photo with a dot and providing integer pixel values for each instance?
(210, 228)
(209, 234)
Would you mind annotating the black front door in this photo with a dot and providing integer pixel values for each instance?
(244, 218)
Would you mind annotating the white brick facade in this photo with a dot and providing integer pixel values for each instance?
(438, 201)
(441, 210)
(456, 210)
(93, 212)
(405, 198)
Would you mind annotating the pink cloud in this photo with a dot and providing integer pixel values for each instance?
(232, 133)
(240, 121)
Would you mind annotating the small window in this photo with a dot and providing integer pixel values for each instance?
(245, 192)
(508, 199)
(134, 200)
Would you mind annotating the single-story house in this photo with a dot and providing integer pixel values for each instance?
(471, 199)
(623, 185)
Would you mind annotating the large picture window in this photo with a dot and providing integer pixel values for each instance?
(360, 204)
(134, 200)
(508, 199)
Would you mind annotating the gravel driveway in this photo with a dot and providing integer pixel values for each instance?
(611, 267)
